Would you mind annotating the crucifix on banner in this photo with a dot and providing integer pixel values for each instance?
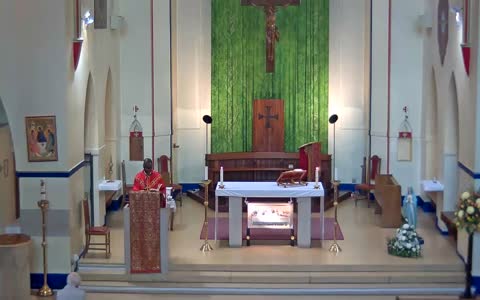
(404, 148)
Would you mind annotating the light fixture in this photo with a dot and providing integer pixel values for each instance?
(87, 18)
(332, 120)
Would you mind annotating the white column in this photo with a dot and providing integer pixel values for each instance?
(304, 223)
(235, 221)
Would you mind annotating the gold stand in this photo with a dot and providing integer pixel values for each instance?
(335, 248)
(45, 291)
(206, 247)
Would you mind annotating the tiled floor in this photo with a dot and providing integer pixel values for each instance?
(364, 243)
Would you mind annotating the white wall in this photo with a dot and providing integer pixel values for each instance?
(348, 85)
(135, 47)
(192, 86)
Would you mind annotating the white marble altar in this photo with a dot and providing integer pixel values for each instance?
(238, 191)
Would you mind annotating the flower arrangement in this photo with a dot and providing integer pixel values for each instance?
(467, 215)
(405, 243)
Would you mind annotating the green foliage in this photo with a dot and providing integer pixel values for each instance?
(239, 75)
(467, 215)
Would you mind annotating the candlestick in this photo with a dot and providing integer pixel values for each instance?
(221, 175)
(317, 170)
(206, 173)
(43, 190)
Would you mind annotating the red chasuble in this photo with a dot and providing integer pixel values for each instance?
(144, 182)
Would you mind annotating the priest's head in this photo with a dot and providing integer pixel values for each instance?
(147, 166)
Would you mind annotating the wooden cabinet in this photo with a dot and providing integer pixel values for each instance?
(257, 166)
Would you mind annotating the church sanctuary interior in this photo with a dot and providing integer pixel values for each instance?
(225, 149)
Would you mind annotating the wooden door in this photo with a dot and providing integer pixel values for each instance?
(268, 128)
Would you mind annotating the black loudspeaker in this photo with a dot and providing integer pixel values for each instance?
(100, 13)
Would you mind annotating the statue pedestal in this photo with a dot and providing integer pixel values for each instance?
(15, 267)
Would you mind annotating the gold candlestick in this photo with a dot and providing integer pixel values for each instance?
(206, 247)
(335, 247)
(43, 204)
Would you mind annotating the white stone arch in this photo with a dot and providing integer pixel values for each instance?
(9, 205)
(431, 168)
(110, 124)
(91, 128)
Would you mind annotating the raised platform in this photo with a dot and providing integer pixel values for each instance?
(199, 196)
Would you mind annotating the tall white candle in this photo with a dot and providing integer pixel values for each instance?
(43, 190)
(206, 173)
(221, 175)
(317, 170)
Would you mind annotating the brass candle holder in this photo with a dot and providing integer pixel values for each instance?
(43, 204)
(335, 248)
(206, 247)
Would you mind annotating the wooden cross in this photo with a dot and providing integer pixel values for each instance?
(267, 116)
(271, 29)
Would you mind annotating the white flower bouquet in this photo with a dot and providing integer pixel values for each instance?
(405, 243)
(467, 215)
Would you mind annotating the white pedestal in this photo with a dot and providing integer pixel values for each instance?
(304, 223)
(15, 267)
(235, 221)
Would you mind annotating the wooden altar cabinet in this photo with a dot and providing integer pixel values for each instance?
(262, 166)
(146, 234)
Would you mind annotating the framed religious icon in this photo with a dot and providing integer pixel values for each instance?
(42, 141)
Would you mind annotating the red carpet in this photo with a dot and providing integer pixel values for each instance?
(269, 234)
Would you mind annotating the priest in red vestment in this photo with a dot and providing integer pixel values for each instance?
(148, 179)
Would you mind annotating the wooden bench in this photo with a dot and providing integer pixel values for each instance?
(388, 196)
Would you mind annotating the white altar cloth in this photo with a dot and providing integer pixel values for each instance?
(235, 191)
(107, 185)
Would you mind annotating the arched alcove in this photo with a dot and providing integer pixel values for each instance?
(450, 127)
(90, 134)
(9, 204)
(431, 132)
(110, 130)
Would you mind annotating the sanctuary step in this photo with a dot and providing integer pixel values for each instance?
(199, 196)
(422, 274)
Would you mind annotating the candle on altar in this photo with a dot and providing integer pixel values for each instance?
(317, 170)
(221, 175)
(43, 190)
(206, 173)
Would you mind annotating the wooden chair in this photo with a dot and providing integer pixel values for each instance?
(369, 184)
(124, 186)
(94, 231)
(164, 168)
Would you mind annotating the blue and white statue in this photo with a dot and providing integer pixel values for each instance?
(409, 209)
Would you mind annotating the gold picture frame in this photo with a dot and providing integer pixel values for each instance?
(41, 133)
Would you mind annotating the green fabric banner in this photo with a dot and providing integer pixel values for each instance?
(239, 75)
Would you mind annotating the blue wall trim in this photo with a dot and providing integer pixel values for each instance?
(468, 171)
(46, 174)
(439, 229)
(55, 281)
(189, 186)
(347, 187)
(476, 284)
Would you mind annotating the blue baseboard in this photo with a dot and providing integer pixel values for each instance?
(439, 229)
(55, 281)
(476, 284)
(349, 187)
(189, 186)
(427, 206)
(115, 205)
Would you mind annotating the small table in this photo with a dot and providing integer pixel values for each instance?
(235, 191)
(112, 186)
(432, 186)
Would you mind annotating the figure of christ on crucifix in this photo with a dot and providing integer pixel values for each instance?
(272, 35)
